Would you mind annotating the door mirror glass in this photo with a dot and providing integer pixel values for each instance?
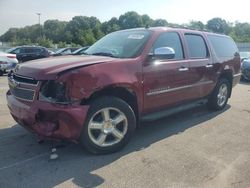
(164, 53)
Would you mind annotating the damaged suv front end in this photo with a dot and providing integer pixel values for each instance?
(45, 108)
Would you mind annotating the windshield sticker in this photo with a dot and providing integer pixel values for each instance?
(136, 36)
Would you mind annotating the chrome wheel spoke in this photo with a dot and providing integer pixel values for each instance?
(117, 134)
(103, 129)
(95, 125)
(101, 138)
(105, 114)
(118, 119)
(222, 95)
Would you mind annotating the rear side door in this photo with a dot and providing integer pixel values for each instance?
(165, 80)
(201, 67)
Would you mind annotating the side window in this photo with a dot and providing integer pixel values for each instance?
(223, 46)
(172, 40)
(28, 50)
(36, 50)
(196, 46)
(17, 51)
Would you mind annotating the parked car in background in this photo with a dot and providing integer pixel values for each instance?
(64, 51)
(245, 69)
(51, 53)
(139, 74)
(27, 53)
(244, 55)
(80, 51)
(7, 62)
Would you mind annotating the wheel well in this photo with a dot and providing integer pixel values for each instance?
(229, 76)
(123, 93)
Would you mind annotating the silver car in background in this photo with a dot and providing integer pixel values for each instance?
(7, 62)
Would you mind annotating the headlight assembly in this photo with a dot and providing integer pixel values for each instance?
(54, 92)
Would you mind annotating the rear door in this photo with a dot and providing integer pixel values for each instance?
(165, 80)
(201, 66)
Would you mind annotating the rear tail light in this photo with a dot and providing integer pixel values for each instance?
(1, 62)
(11, 56)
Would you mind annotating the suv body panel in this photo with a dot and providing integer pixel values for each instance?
(156, 85)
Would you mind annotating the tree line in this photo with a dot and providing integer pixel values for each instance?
(84, 31)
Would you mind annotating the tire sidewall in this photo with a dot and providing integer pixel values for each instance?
(97, 105)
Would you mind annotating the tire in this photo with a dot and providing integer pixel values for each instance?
(109, 125)
(1, 73)
(219, 98)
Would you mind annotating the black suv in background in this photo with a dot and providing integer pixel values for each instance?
(65, 51)
(27, 53)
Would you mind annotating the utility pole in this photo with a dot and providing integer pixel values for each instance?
(39, 16)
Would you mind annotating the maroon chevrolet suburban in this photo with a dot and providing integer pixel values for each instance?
(99, 98)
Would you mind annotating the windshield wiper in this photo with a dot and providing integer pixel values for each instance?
(104, 54)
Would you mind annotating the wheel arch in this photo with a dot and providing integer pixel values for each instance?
(228, 75)
(122, 92)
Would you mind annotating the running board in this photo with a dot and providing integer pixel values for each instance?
(160, 114)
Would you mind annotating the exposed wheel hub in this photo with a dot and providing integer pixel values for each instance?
(108, 127)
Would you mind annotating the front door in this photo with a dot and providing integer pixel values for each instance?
(165, 81)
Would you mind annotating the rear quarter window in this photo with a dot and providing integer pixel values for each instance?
(196, 46)
(223, 46)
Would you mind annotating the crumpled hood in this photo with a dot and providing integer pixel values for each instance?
(48, 68)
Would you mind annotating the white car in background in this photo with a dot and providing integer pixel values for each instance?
(7, 62)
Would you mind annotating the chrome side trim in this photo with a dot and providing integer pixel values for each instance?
(236, 75)
(166, 90)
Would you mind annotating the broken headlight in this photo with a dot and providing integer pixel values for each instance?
(54, 92)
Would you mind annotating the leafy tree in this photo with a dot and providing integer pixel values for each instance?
(241, 32)
(83, 30)
(146, 20)
(196, 25)
(110, 26)
(43, 41)
(218, 25)
(55, 30)
(130, 20)
(159, 22)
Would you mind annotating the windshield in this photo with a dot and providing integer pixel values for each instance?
(121, 44)
(60, 51)
(81, 50)
(11, 50)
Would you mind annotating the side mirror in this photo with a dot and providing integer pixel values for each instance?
(164, 53)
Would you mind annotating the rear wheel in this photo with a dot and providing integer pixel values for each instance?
(1, 73)
(109, 126)
(218, 99)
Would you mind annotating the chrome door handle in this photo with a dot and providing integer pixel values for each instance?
(182, 69)
(209, 66)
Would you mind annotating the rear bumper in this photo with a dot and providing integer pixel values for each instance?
(48, 121)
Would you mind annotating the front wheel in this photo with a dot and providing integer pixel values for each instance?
(218, 99)
(109, 125)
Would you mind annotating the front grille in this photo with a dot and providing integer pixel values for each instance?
(21, 93)
(25, 80)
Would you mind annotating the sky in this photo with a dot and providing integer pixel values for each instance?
(19, 13)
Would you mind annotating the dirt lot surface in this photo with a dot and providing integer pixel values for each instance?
(195, 148)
